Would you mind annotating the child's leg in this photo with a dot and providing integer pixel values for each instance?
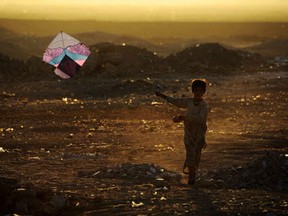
(192, 175)
(198, 157)
(190, 161)
(190, 152)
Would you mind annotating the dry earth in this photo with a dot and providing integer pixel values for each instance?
(88, 147)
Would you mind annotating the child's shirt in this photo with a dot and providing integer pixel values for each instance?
(196, 117)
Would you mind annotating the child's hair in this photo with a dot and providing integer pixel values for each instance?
(199, 83)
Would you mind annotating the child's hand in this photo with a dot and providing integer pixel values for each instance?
(158, 94)
(178, 118)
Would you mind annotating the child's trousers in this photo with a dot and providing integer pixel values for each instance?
(193, 152)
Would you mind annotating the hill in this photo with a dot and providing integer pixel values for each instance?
(21, 39)
(277, 47)
(148, 30)
(22, 46)
(108, 60)
(211, 57)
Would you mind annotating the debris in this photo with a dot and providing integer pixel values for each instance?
(136, 205)
(59, 201)
(27, 200)
(137, 172)
(270, 171)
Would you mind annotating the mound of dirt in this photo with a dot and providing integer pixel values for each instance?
(277, 47)
(124, 60)
(210, 57)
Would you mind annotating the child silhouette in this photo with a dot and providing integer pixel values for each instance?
(195, 126)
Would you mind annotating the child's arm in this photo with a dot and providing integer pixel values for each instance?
(179, 102)
(158, 94)
(178, 118)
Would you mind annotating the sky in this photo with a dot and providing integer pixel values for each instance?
(147, 10)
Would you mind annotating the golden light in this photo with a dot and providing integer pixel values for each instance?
(147, 10)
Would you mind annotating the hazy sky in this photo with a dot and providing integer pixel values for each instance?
(147, 10)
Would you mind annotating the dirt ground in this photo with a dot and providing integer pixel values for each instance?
(110, 147)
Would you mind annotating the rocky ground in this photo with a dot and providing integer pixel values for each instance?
(102, 147)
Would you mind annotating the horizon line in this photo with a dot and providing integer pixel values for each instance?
(143, 21)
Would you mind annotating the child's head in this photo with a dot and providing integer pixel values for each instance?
(198, 83)
(198, 86)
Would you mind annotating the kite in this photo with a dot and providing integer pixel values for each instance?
(66, 54)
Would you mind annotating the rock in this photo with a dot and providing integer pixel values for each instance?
(59, 201)
(153, 170)
(48, 209)
(28, 200)
(21, 207)
(136, 205)
(7, 188)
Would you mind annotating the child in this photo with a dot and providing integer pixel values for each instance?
(194, 125)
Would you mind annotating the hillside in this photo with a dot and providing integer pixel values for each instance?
(276, 47)
(108, 60)
(211, 57)
(148, 30)
(21, 39)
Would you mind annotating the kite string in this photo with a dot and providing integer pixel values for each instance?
(63, 42)
(62, 39)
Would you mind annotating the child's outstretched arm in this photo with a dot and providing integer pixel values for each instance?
(159, 94)
(179, 102)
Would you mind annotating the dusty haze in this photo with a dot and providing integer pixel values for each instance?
(148, 30)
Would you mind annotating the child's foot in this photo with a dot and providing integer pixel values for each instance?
(191, 181)
(192, 177)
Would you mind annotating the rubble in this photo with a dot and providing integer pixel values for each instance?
(269, 171)
(141, 173)
(16, 199)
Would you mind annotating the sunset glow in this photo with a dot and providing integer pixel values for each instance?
(147, 10)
